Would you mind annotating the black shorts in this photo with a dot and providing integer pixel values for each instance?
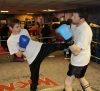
(77, 71)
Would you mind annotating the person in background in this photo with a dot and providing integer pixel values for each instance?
(39, 28)
(79, 44)
(27, 27)
(4, 36)
(46, 33)
(0, 32)
(0, 28)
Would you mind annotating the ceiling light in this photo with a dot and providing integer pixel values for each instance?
(4, 11)
(49, 10)
(29, 13)
(44, 10)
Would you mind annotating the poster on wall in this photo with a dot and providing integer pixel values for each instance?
(30, 22)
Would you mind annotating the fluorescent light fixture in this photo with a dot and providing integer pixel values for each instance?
(44, 10)
(4, 11)
(49, 10)
(29, 13)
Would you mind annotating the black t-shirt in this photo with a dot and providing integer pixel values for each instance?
(45, 32)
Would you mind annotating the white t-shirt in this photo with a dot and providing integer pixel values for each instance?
(82, 38)
(32, 48)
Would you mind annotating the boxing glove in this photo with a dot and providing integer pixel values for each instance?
(23, 42)
(66, 33)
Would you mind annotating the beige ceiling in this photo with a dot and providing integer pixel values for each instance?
(36, 6)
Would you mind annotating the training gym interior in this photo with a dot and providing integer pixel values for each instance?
(14, 71)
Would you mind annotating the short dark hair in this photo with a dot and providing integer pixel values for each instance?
(13, 21)
(81, 12)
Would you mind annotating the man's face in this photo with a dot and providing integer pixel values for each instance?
(76, 19)
(16, 29)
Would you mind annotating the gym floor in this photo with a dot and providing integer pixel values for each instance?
(15, 76)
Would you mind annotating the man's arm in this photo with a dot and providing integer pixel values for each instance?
(66, 33)
(75, 50)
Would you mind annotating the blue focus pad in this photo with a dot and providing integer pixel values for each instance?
(18, 59)
(64, 31)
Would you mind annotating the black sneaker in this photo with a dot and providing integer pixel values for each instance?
(33, 88)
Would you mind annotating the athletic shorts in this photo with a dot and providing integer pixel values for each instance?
(77, 71)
